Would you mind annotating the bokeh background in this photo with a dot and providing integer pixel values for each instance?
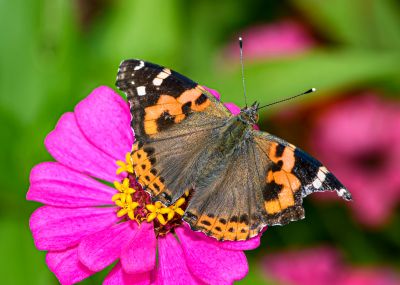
(54, 52)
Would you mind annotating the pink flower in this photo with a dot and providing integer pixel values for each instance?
(87, 225)
(279, 39)
(296, 267)
(360, 141)
(322, 265)
(370, 276)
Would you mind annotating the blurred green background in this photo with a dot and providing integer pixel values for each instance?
(54, 52)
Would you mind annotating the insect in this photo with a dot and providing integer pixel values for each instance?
(240, 179)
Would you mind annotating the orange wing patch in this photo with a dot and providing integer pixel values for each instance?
(206, 222)
(280, 181)
(221, 228)
(145, 172)
(174, 109)
(273, 206)
(198, 101)
(279, 153)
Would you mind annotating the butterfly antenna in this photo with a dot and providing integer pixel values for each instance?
(242, 65)
(290, 98)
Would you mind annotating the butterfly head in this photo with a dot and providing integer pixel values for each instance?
(249, 115)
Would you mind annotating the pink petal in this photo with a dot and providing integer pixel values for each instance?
(57, 185)
(172, 267)
(235, 110)
(59, 228)
(213, 92)
(67, 267)
(210, 263)
(68, 145)
(104, 119)
(102, 248)
(117, 276)
(139, 255)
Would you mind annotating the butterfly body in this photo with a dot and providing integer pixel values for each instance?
(227, 141)
(241, 179)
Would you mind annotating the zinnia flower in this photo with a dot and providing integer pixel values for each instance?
(322, 265)
(360, 141)
(87, 225)
(278, 39)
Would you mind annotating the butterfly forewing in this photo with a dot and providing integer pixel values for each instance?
(171, 117)
(160, 98)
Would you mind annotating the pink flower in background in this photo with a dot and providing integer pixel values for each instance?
(370, 276)
(360, 141)
(279, 39)
(322, 265)
(312, 267)
(87, 225)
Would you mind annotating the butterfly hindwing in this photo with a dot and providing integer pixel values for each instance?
(293, 174)
(263, 184)
(313, 175)
(227, 207)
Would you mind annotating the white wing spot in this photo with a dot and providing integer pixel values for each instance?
(133, 82)
(341, 192)
(141, 65)
(317, 184)
(321, 175)
(141, 90)
(157, 81)
(163, 75)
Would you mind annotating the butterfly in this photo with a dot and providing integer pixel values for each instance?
(240, 179)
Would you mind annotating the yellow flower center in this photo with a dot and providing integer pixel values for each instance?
(135, 204)
(125, 166)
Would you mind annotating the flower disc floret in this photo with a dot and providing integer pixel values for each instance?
(135, 204)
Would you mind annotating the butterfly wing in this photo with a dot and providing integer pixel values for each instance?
(292, 175)
(173, 119)
(161, 98)
(230, 207)
(264, 184)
